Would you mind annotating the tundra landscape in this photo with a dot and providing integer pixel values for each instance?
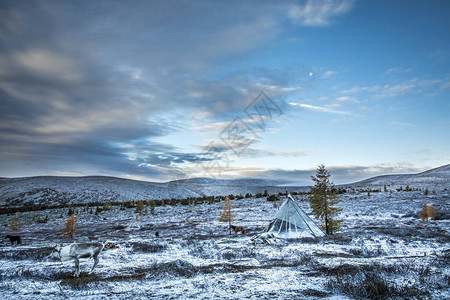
(384, 249)
(207, 149)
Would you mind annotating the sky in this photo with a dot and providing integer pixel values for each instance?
(165, 90)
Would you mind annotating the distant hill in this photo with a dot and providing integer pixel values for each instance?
(56, 190)
(434, 178)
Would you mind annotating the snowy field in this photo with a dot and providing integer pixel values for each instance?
(383, 249)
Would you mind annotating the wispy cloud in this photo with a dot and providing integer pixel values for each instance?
(319, 13)
(325, 109)
(445, 85)
(411, 86)
(346, 99)
(328, 74)
(255, 152)
(398, 70)
(440, 56)
(401, 124)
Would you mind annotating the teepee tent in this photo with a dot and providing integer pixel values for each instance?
(291, 221)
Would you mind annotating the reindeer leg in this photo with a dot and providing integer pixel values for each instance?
(95, 263)
(77, 268)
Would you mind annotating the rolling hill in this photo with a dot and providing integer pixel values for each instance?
(434, 178)
(56, 190)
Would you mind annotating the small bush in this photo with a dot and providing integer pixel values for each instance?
(229, 255)
(371, 285)
(427, 212)
(199, 250)
(377, 281)
(364, 251)
(338, 238)
(147, 247)
(175, 268)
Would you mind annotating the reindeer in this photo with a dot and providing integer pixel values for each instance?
(76, 251)
(14, 238)
(238, 228)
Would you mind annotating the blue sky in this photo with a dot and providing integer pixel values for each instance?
(141, 89)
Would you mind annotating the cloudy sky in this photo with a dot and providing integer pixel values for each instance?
(163, 90)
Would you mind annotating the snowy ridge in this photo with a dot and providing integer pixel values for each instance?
(437, 177)
(55, 190)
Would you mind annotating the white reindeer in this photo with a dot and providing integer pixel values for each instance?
(76, 251)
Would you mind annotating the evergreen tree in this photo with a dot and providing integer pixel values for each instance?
(226, 215)
(322, 198)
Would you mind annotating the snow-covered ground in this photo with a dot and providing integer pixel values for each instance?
(383, 248)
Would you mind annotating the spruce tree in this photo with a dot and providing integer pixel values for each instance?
(322, 199)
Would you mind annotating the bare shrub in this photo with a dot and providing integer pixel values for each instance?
(364, 251)
(69, 231)
(229, 255)
(199, 250)
(442, 215)
(119, 227)
(339, 238)
(442, 259)
(174, 268)
(15, 222)
(148, 247)
(305, 240)
(378, 281)
(427, 212)
(370, 284)
(79, 283)
(309, 260)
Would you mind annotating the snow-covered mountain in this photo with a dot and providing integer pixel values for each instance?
(434, 178)
(54, 190)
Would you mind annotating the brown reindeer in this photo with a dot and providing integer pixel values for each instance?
(238, 228)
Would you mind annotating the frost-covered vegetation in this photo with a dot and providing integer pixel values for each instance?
(384, 249)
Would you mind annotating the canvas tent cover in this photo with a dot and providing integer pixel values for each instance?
(291, 221)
